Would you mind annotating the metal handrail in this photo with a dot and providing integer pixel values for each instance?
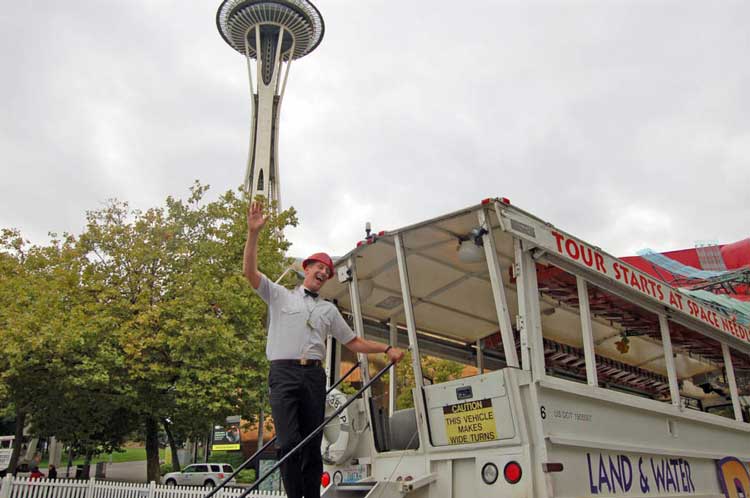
(316, 431)
(269, 443)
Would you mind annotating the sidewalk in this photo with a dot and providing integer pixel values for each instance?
(121, 471)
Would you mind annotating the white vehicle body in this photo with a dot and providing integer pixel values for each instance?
(544, 318)
(200, 474)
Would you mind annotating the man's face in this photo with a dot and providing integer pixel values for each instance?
(316, 274)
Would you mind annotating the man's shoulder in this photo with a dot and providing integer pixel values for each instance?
(274, 290)
(327, 304)
(328, 307)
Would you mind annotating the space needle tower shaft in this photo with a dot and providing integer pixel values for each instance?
(270, 34)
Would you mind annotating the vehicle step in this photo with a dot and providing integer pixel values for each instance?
(356, 486)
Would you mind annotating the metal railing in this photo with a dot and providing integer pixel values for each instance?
(272, 441)
(316, 431)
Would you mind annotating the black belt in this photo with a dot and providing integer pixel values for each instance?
(298, 363)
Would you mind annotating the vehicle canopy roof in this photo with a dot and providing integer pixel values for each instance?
(453, 299)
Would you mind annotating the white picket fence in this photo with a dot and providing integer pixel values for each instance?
(23, 487)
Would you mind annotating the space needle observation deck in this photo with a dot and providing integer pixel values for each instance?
(273, 32)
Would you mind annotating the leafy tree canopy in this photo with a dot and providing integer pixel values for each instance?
(144, 317)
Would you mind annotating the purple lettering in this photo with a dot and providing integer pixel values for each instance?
(603, 478)
(592, 486)
(670, 482)
(615, 474)
(626, 469)
(658, 474)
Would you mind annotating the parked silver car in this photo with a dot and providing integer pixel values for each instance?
(200, 474)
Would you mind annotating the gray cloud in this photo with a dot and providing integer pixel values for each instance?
(626, 123)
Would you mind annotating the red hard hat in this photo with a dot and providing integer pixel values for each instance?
(321, 257)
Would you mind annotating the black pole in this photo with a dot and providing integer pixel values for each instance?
(257, 453)
(316, 431)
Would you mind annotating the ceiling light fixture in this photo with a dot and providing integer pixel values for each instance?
(471, 247)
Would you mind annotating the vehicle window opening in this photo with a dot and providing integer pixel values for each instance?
(392, 414)
(561, 323)
(628, 346)
(626, 337)
(453, 303)
(701, 371)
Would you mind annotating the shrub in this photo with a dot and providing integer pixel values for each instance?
(246, 476)
(164, 468)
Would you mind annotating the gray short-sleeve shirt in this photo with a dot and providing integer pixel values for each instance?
(299, 323)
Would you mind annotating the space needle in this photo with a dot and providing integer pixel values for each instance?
(273, 32)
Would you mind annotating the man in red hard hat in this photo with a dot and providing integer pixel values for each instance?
(299, 323)
(318, 257)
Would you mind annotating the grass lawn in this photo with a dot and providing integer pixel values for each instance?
(129, 455)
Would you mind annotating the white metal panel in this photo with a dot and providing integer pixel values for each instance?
(490, 386)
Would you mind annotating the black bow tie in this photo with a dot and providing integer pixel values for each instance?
(311, 293)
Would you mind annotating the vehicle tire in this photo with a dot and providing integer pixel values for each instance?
(171, 482)
(209, 484)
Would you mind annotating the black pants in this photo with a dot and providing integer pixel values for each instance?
(297, 396)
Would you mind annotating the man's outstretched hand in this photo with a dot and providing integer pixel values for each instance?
(255, 217)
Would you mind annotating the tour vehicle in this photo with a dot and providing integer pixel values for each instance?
(578, 374)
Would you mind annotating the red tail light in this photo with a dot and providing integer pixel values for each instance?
(325, 479)
(512, 472)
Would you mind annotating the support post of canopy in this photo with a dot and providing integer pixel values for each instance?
(666, 341)
(531, 318)
(732, 381)
(523, 311)
(411, 325)
(330, 362)
(359, 328)
(392, 341)
(480, 357)
(498, 291)
(588, 334)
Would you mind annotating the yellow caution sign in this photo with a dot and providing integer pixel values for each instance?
(470, 422)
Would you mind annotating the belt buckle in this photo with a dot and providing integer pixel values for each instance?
(304, 362)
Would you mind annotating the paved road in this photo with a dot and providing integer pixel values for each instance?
(124, 471)
(127, 471)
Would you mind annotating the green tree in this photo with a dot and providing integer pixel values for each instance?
(50, 367)
(170, 293)
(144, 320)
(435, 369)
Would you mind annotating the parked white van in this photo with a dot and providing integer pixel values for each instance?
(207, 475)
(582, 376)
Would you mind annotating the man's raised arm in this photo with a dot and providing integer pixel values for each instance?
(255, 222)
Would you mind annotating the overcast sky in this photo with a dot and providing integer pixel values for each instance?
(626, 123)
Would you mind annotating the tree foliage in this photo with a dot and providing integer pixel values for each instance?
(143, 319)
(44, 353)
(435, 370)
